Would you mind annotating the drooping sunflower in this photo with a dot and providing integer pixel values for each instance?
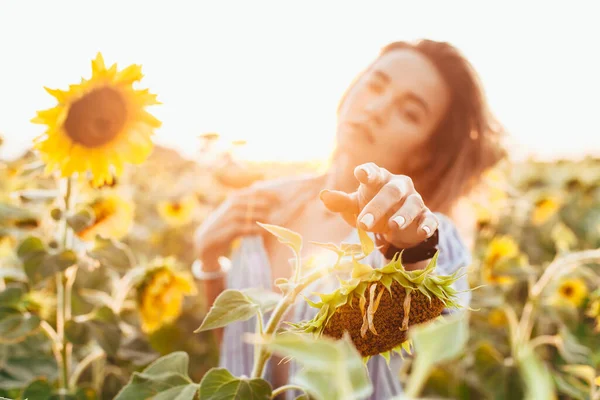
(377, 306)
(113, 217)
(98, 125)
(160, 295)
(177, 212)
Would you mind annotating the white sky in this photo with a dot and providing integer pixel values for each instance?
(272, 72)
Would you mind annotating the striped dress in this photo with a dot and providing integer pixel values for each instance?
(251, 268)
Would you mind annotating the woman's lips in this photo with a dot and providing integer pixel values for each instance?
(363, 129)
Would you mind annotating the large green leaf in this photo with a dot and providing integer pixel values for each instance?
(184, 392)
(333, 369)
(535, 375)
(435, 342)
(219, 384)
(15, 326)
(177, 362)
(104, 327)
(38, 390)
(11, 297)
(112, 254)
(230, 306)
(265, 299)
(285, 236)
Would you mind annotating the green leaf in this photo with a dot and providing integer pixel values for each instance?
(177, 362)
(60, 261)
(535, 375)
(38, 390)
(231, 305)
(285, 236)
(30, 245)
(105, 329)
(219, 384)
(15, 326)
(265, 299)
(81, 219)
(11, 297)
(184, 392)
(112, 254)
(77, 333)
(333, 369)
(142, 386)
(366, 243)
(434, 343)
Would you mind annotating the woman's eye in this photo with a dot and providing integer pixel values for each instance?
(410, 115)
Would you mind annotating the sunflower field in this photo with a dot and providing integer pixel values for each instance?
(97, 300)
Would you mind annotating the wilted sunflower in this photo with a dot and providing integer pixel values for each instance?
(544, 209)
(377, 306)
(500, 250)
(572, 291)
(177, 212)
(160, 295)
(113, 217)
(98, 124)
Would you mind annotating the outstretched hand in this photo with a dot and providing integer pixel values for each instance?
(384, 203)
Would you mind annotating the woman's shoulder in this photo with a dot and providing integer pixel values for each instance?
(286, 183)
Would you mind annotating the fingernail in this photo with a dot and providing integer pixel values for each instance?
(399, 220)
(367, 220)
(323, 193)
(366, 171)
(427, 230)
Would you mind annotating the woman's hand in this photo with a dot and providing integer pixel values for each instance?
(236, 216)
(384, 203)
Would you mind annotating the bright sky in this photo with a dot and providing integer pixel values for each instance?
(272, 72)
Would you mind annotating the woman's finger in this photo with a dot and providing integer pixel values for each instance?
(372, 175)
(428, 224)
(339, 202)
(410, 210)
(375, 214)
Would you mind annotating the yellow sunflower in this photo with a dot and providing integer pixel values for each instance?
(177, 212)
(497, 318)
(160, 295)
(113, 218)
(544, 209)
(572, 291)
(98, 124)
(500, 249)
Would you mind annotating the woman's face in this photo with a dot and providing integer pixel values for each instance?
(392, 110)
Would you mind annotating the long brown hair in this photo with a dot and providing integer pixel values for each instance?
(467, 141)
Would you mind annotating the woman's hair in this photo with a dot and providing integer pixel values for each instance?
(466, 142)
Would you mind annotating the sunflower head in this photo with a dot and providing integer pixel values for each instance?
(500, 250)
(572, 292)
(160, 295)
(377, 306)
(544, 209)
(113, 217)
(98, 124)
(177, 212)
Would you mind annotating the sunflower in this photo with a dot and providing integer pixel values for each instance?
(497, 318)
(178, 212)
(572, 292)
(98, 124)
(160, 295)
(113, 217)
(500, 250)
(377, 306)
(544, 209)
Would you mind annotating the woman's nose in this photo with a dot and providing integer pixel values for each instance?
(375, 111)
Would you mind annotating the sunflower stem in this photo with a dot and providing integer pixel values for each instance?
(64, 286)
(282, 389)
(262, 355)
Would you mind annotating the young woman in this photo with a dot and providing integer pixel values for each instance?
(414, 136)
